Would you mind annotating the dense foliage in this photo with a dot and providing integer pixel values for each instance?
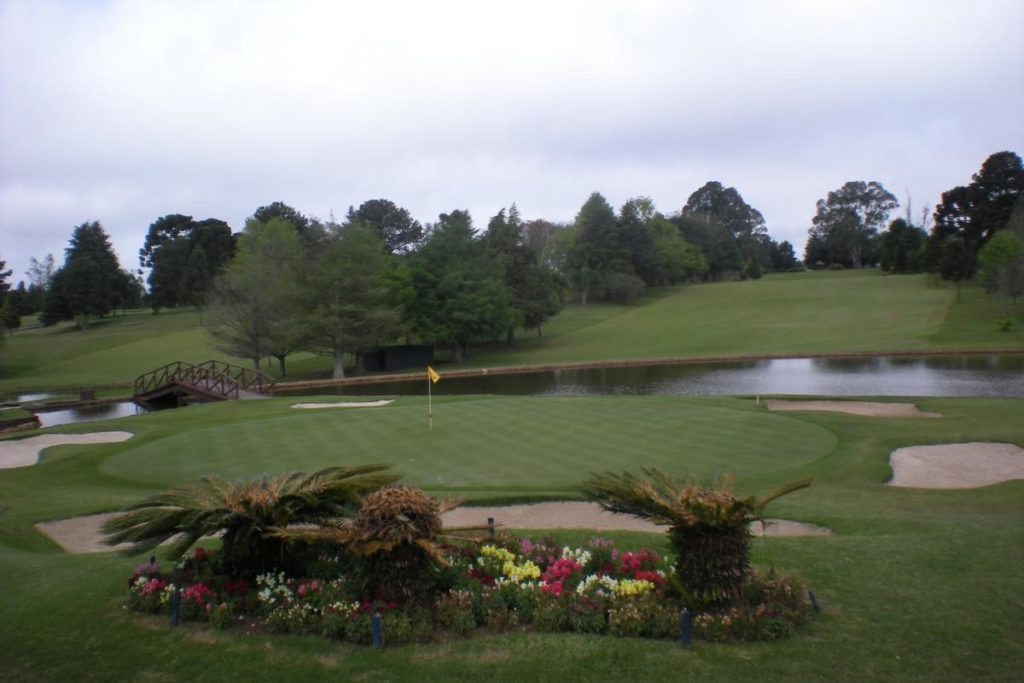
(708, 526)
(244, 514)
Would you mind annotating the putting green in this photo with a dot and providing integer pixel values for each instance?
(527, 443)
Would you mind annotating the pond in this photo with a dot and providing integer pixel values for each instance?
(961, 375)
(89, 413)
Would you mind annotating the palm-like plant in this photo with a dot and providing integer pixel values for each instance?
(244, 514)
(396, 536)
(708, 526)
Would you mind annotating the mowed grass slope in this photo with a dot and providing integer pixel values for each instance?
(788, 314)
(799, 313)
(916, 585)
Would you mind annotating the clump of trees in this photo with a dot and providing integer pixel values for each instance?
(183, 256)
(977, 226)
(91, 283)
(975, 230)
(847, 224)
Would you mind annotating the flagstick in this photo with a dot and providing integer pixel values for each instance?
(430, 406)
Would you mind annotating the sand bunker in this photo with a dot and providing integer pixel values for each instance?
(580, 515)
(861, 408)
(360, 404)
(25, 452)
(956, 465)
(82, 534)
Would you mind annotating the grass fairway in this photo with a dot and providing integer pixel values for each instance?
(916, 585)
(786, 314)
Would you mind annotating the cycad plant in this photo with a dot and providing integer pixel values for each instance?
(395, 538)
(244, 514)
(708, 526)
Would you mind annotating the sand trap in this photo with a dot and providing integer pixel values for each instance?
(25, 452)
(580, 515)
(956, 465)
(360, 404)
(861, 408)
(82, 534)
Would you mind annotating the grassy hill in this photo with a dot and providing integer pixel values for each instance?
(797, 313)
(800, 313)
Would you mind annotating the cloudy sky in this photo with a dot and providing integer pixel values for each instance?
(126, 111)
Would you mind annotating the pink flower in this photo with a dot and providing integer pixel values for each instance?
(199, 593)
(552, 589)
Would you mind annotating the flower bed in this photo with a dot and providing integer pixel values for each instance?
(509, 583)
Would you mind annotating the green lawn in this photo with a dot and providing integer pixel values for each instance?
(917, 585)
(786, 314)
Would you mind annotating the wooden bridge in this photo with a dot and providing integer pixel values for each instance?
(178, 383)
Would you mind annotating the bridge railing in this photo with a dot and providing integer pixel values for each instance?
(249, 379)
(212, 377)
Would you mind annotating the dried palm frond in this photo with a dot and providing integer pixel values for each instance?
(708, 526)
(243, 512)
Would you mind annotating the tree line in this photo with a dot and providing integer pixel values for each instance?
(290, 282)
(976, 230)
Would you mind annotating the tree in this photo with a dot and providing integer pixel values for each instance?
(900, 247)
(977, 211)
(784, 258)
(597, 249)
(717, 244)
(533, 287)
(847, 222)
(458, 293)
(675, 259)
(40, 273)
(184, 255)
(393, 224)
(90, 283)
(352, 308)
(10, 317)
(286, 213)
(726, 207)
(255, 303)
(1001, 266)
(956, 263)
(982, 208)
(4, 285)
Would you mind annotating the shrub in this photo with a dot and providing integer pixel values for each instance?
(551, 615)
(455, 611)
(623, 288)
(587, 615)
(244, 514)
(708, 526)
(644, 617)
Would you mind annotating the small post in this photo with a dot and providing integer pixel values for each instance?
(757, 400)
(685, 627)
(175, 606)
(490, 527)
(378, 639)
(814, 602)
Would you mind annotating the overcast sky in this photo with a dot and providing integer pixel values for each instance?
(126, 111)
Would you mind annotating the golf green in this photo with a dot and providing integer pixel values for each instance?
(549, 445)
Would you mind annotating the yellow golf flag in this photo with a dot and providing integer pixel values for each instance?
(434, 377)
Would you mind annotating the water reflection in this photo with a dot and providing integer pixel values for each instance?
(90, 413)
(986, 375)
